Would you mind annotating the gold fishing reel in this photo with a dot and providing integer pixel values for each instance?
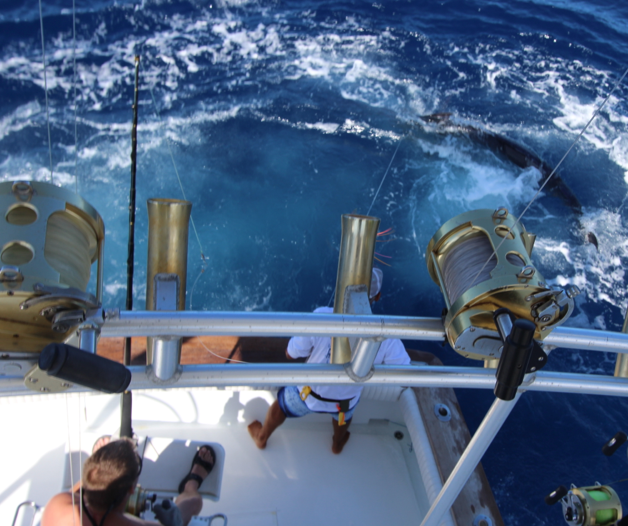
(49, 239)
(482, 262)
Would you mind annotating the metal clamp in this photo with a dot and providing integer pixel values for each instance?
(10, 273)
(547, 305)
(47, 293)
(23, 191)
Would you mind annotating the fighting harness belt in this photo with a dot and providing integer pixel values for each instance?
(342, 405)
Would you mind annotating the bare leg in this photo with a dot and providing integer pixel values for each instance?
(341, 435)
(261, 433)
(190, 502)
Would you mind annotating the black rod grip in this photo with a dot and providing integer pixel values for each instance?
(84, 368)
(126, 412)
(514, 359)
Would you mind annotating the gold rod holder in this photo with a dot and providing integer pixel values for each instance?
(355, 265)
(168, 225)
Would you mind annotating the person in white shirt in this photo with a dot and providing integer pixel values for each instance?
(338, 400)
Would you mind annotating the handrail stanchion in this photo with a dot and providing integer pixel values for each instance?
(483, 438)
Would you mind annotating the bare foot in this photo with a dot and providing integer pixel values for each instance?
(255, 430)
(336, 447)
(205, 455)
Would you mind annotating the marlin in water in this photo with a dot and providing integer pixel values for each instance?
(516, 153)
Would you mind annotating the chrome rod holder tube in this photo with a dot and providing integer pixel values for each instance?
(166, 357)
(361, 366)
(363, 350)
(88, 339)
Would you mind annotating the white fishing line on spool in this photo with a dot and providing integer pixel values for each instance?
(470, 263)
(70, 248)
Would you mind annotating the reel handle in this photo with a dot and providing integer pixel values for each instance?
(614, 443)
(555, 495)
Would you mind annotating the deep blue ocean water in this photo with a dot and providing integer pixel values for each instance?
(283, 115)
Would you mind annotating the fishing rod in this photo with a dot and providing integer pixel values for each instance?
(131, 253)
(126, 399)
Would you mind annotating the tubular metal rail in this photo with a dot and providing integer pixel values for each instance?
(29, 504)
(181, 323)
(199, 323)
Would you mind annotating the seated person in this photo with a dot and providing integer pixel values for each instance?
(110, 475)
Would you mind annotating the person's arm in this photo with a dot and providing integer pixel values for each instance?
(299, 347)
(395, 353)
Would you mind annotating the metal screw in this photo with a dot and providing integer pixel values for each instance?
(482, 520)
(442, 412)
(33, 380)
(540, 358)
(533, 369)
(66, 384)
(545, 318)
(44, 389)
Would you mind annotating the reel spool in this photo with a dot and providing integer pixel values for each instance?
(137, 501)
(591, 506)
(48, 241)
(473, 289)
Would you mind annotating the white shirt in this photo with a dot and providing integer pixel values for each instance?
(317, 349)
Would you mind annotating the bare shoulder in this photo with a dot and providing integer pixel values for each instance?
(58, 511)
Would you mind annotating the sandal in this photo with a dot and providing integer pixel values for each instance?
(203, 463)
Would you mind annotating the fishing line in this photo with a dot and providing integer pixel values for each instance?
(67, 416)
(218, 356)
(203, 259)
(508, 234)
(373, 202)
(43, 52)
(385, 174)
(80, 435)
